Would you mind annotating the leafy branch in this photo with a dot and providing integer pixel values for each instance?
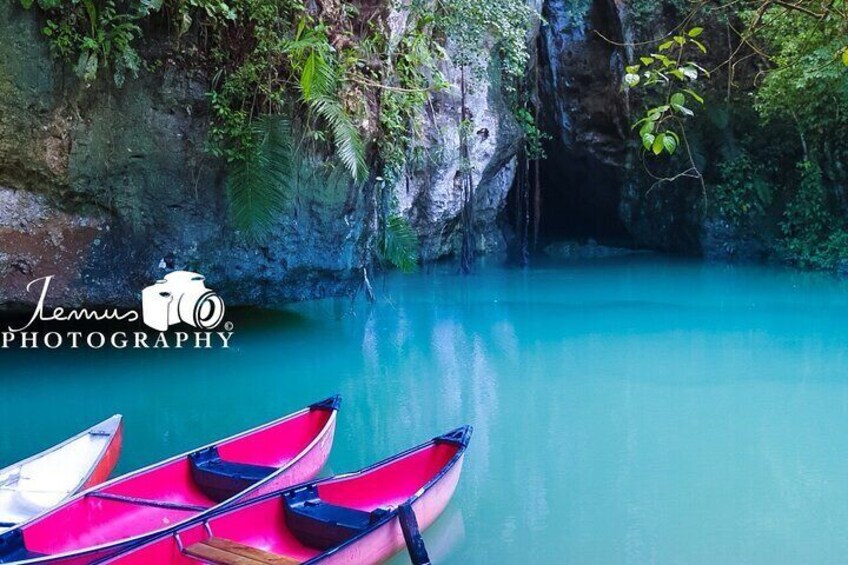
(399, 244)
(667, 79)
(671, 79)
(95, 35)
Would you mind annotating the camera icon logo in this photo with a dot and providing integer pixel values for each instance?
(181, 297)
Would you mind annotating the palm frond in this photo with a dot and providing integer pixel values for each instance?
(319, 87)
(318, 78)
(257, 185)
(399, 245)
(350, 148)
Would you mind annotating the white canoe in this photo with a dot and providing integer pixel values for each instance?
(38, 483)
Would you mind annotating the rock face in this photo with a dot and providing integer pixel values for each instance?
(723, 241)
(108, 189)
(431, 196)
(39, 240)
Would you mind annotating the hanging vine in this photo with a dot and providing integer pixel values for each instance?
(470, 25)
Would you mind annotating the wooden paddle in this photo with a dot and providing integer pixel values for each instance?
(412, 536)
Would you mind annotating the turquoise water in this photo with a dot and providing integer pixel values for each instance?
(638, 410)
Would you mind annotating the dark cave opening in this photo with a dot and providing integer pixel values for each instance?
(579, 199)
(580, 108)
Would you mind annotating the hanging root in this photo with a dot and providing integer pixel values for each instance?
(366, 284)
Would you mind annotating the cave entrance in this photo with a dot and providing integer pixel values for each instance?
(581, 110)
(580, 199)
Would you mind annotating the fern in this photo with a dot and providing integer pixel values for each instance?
(350, 148)
(319, 87)
(258, 183)
(399, 245)
(318, 77)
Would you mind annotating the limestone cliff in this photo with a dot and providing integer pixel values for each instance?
(109, 188)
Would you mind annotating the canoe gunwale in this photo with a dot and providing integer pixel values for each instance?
(127, 543)
(460, 437)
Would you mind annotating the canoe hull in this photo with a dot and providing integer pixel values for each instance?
(277, 523)
(148, 521)
(107, 463)
(47, 479)
(305, 469)
(380, 544)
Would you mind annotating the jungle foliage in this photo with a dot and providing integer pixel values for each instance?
(771, 101)
(290, 79)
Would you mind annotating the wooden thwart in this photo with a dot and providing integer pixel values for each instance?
(221, 551)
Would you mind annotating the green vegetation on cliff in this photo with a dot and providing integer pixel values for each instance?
(347, 81)
(776, 115)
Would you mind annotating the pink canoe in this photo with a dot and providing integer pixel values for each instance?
(130, 509)
(359, 518)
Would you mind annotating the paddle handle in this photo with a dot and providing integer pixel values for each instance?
(412, 535)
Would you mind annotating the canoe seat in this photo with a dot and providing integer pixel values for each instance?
(220, 479)
(321, 525)
(221, 551)
(12, 547)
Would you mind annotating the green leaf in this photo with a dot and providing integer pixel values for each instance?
(665, 46)
(646, 60)
(695, 95)
(350, 148)
(656, 113)
(86, 67)
(185, 23)
(662, 59)
(648, 140)
(695, 32)
(684, 110)
(307, 76)
(146, 7)
(659, 144)
(700, 45)
(632, 69)
(845, 56)
(695, 65)
(647, 127)
(677, 99)
(669, 144)
(26, 4)
(631, 79)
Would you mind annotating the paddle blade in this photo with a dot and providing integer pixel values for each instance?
(412, 536)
